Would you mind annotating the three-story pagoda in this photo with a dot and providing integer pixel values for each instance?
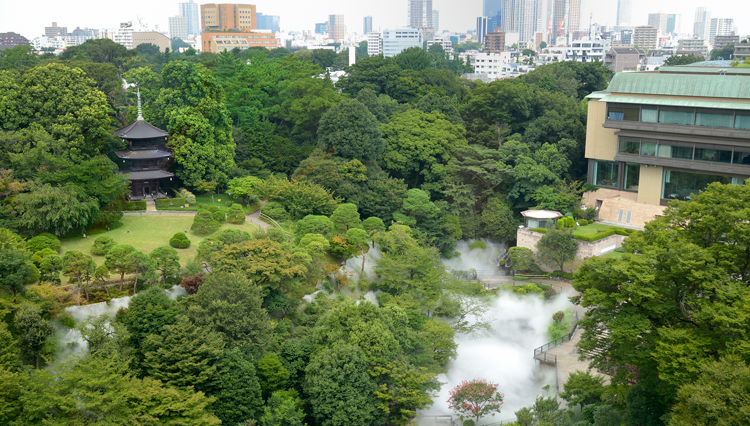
(146, 159)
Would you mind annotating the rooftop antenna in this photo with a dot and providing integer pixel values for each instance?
(140, 112)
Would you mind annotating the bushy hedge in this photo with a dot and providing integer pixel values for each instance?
(187, 195)
(43, 241)
(275, 210)
(478, 245)
(540, 230)
(204, 223)
(102, 245)
(584, 222)
(134, 205)
(566, 223)
(179, 240)
(217, 213)
(170, 202)
(566, 275)
(236, 214)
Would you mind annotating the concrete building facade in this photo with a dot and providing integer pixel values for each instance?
(218, 41)
(741, 51)
(55, 31)
(720, 27)
(10, 40)
(495, 41)
(419, 13)
(658, 20)
(267, 22)
(191, 11)
(152, 37)
(654, 137)
(702, 23)
(587, 51)
(624, 59)
(178, 27)
(624, 12)
(374, 44)
(646, 37)
(694, 44)
(227, 16)
(367, 25)
(722, 41)
(399, 39)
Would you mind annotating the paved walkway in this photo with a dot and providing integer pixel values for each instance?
(150, 206)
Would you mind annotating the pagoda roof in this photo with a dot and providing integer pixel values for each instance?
(148, 175)
(146, 154)
(140, 129)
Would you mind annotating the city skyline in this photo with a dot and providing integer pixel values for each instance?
(303, 15)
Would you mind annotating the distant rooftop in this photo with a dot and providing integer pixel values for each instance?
(683, 81)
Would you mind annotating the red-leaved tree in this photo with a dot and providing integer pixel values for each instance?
(475, 398)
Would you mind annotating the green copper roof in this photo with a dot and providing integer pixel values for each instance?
(690, 103)
(668, 84)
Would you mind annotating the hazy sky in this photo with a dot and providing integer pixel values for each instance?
(30, 17)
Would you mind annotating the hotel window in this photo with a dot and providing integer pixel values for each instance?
(623, 113)
(679, 185)
(648, 147)
(648, 114)
(676, 116)
(742, 121)
(632, 176)
(679, 152)
(605, 173)
(714, 155)
(630, 147)
(710, 119)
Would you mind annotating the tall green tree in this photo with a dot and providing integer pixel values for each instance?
(33, 331)
(167, 261)
(120, 259)
(557, 246)
(80, 266)
(351, 131)
(339, 389)
(16, 270)
(59, 210)
(148, 313)
(236, 388)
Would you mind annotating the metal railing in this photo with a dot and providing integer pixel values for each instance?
(266, 218)
(559, 341)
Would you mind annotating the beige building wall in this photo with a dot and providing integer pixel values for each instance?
(601, 143)
(650, 182)
(152, 37)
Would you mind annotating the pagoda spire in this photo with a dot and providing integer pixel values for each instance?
(140, 112)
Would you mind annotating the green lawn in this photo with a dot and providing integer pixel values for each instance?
(148, 232)
(613, 255)
(591, 229)
(206, 201)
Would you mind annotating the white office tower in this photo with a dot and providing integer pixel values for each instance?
(436, 21)
(399, 39)
(419, 13)
(658, 20)
(178, 27)
(525, 17)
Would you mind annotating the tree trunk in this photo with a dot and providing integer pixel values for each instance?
(36, 361)
(122, 280)
(362, 272)
(79, 289)
(135, 284)
(106, 289)
(86, 289)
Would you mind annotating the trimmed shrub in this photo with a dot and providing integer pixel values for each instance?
(187, 195)
(170, 202)
(102, 245)
(204, 223)
(594, 237)
(620, 250)
(561, 274)
(566, 223)
(540, 230)
(134, 205)
(43, 241)
(275, 210)
(179, 240)
(217, 213)
(583, 222)
(478, 245)
(236, 214)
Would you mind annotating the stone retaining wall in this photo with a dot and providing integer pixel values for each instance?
(528, 239)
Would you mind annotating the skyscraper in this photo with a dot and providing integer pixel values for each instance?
(436, 21)
(673, 23)
(420, 13)
(491, 8)
(658, 20)
(189, 11)
(367, 25)
(336, 29)
(574, 16)
(523, 16)
(702, 23)
(267, 22)
(481, 28)
(624, 10)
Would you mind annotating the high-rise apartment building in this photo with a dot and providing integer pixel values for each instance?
(10, 40)
(720, 27)
(189, 11)
(491, 8)
(646, 37)
(495, 41)
(574, 16)
(178, 27)
(225, 17)
(673, 23)
(374, 44)
(522, 16)
(321, 28)
(367, 25)
(481, 28)
(723, 41)
(267, 22)
(624, 11)
(55, 31)
(702, 23)
(436, 21)
(658, 20)
(336, 28)
(419, 13)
